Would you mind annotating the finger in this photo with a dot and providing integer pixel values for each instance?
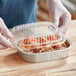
(4, 29)
(5, 42)
(64, 22)
(2, 47)
(55, 20)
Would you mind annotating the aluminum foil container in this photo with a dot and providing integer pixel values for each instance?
(45, 56)
(31, 29)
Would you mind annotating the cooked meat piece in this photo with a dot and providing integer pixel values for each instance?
(56, 47)
(36, 50)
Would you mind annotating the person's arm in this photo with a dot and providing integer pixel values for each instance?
(60, 16)
(5, 35)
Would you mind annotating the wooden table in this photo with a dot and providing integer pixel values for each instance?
(12, 65)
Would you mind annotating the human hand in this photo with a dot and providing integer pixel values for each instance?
(60, 15)
(5, 36)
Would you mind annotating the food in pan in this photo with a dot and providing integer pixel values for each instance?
(41, 44)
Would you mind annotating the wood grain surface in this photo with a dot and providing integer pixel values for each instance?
(12, 65)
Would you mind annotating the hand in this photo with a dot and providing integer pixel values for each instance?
(60, 16)
(5, 36)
